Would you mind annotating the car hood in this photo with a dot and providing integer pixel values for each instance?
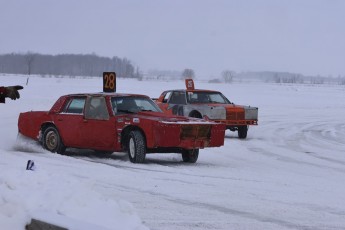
(231, 107)
(226, 105)
(162, 117)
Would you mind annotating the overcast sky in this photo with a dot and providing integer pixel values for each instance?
(209, 36)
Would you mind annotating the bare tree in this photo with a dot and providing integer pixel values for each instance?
(66, 64)
(29, 59)
(188, 73)
(228, 76)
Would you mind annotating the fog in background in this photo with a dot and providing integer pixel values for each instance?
(208, 36)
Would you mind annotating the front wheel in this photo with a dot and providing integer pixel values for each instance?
(52, 141)
(242, 132)
(136, 147)
(190, 156)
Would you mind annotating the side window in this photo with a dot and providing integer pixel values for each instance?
(192, 97)
(178, 98)
(96, 108)
(75, 105)
(166, 97)
(203, 98)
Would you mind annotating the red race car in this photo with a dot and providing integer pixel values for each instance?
(199, 103)
(108, 122)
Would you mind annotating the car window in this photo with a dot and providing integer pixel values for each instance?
(75, 105)
(218, 98)
(194, 97)
(206, 97)
(178, 97)
(124, 105)
(166, 97)
(96, 108)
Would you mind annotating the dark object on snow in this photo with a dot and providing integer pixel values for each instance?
(30, 165)
(40, 225)
(10, 92)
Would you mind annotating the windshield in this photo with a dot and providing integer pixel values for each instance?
(206, 97)
(122, 105)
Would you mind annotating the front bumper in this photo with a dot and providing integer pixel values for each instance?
(238, 117)
(189, 135)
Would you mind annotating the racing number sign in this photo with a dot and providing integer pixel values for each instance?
(189, 84)
(109, 82)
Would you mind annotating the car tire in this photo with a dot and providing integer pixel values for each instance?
(190, 156)
(52, 141)
(242, 132)
(136, 147)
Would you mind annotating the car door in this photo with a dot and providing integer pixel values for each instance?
(176, 102)
(98, 128)
(69, 120)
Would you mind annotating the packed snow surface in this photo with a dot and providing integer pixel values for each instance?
(288, 174)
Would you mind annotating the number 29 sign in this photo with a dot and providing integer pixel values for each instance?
(109, 82)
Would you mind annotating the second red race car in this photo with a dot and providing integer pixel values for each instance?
(108, 122)
(212, 104)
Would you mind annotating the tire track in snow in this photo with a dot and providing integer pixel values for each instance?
(287, 159)
(166, 172)
(307, 142)
(229, 211)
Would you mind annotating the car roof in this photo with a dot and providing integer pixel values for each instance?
(106, 94)
(195, 90)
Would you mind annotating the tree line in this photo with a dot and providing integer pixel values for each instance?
(66, 64)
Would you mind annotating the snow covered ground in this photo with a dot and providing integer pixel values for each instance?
(288, 174)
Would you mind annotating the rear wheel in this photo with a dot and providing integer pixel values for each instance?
(52, 140)
(242, 132)
(195, 114)
(190, 156)
(136, 147)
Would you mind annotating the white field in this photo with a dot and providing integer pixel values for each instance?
(288, 174)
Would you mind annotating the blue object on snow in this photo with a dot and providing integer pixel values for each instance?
(30, 165)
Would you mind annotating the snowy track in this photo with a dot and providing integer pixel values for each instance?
(288, 173)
